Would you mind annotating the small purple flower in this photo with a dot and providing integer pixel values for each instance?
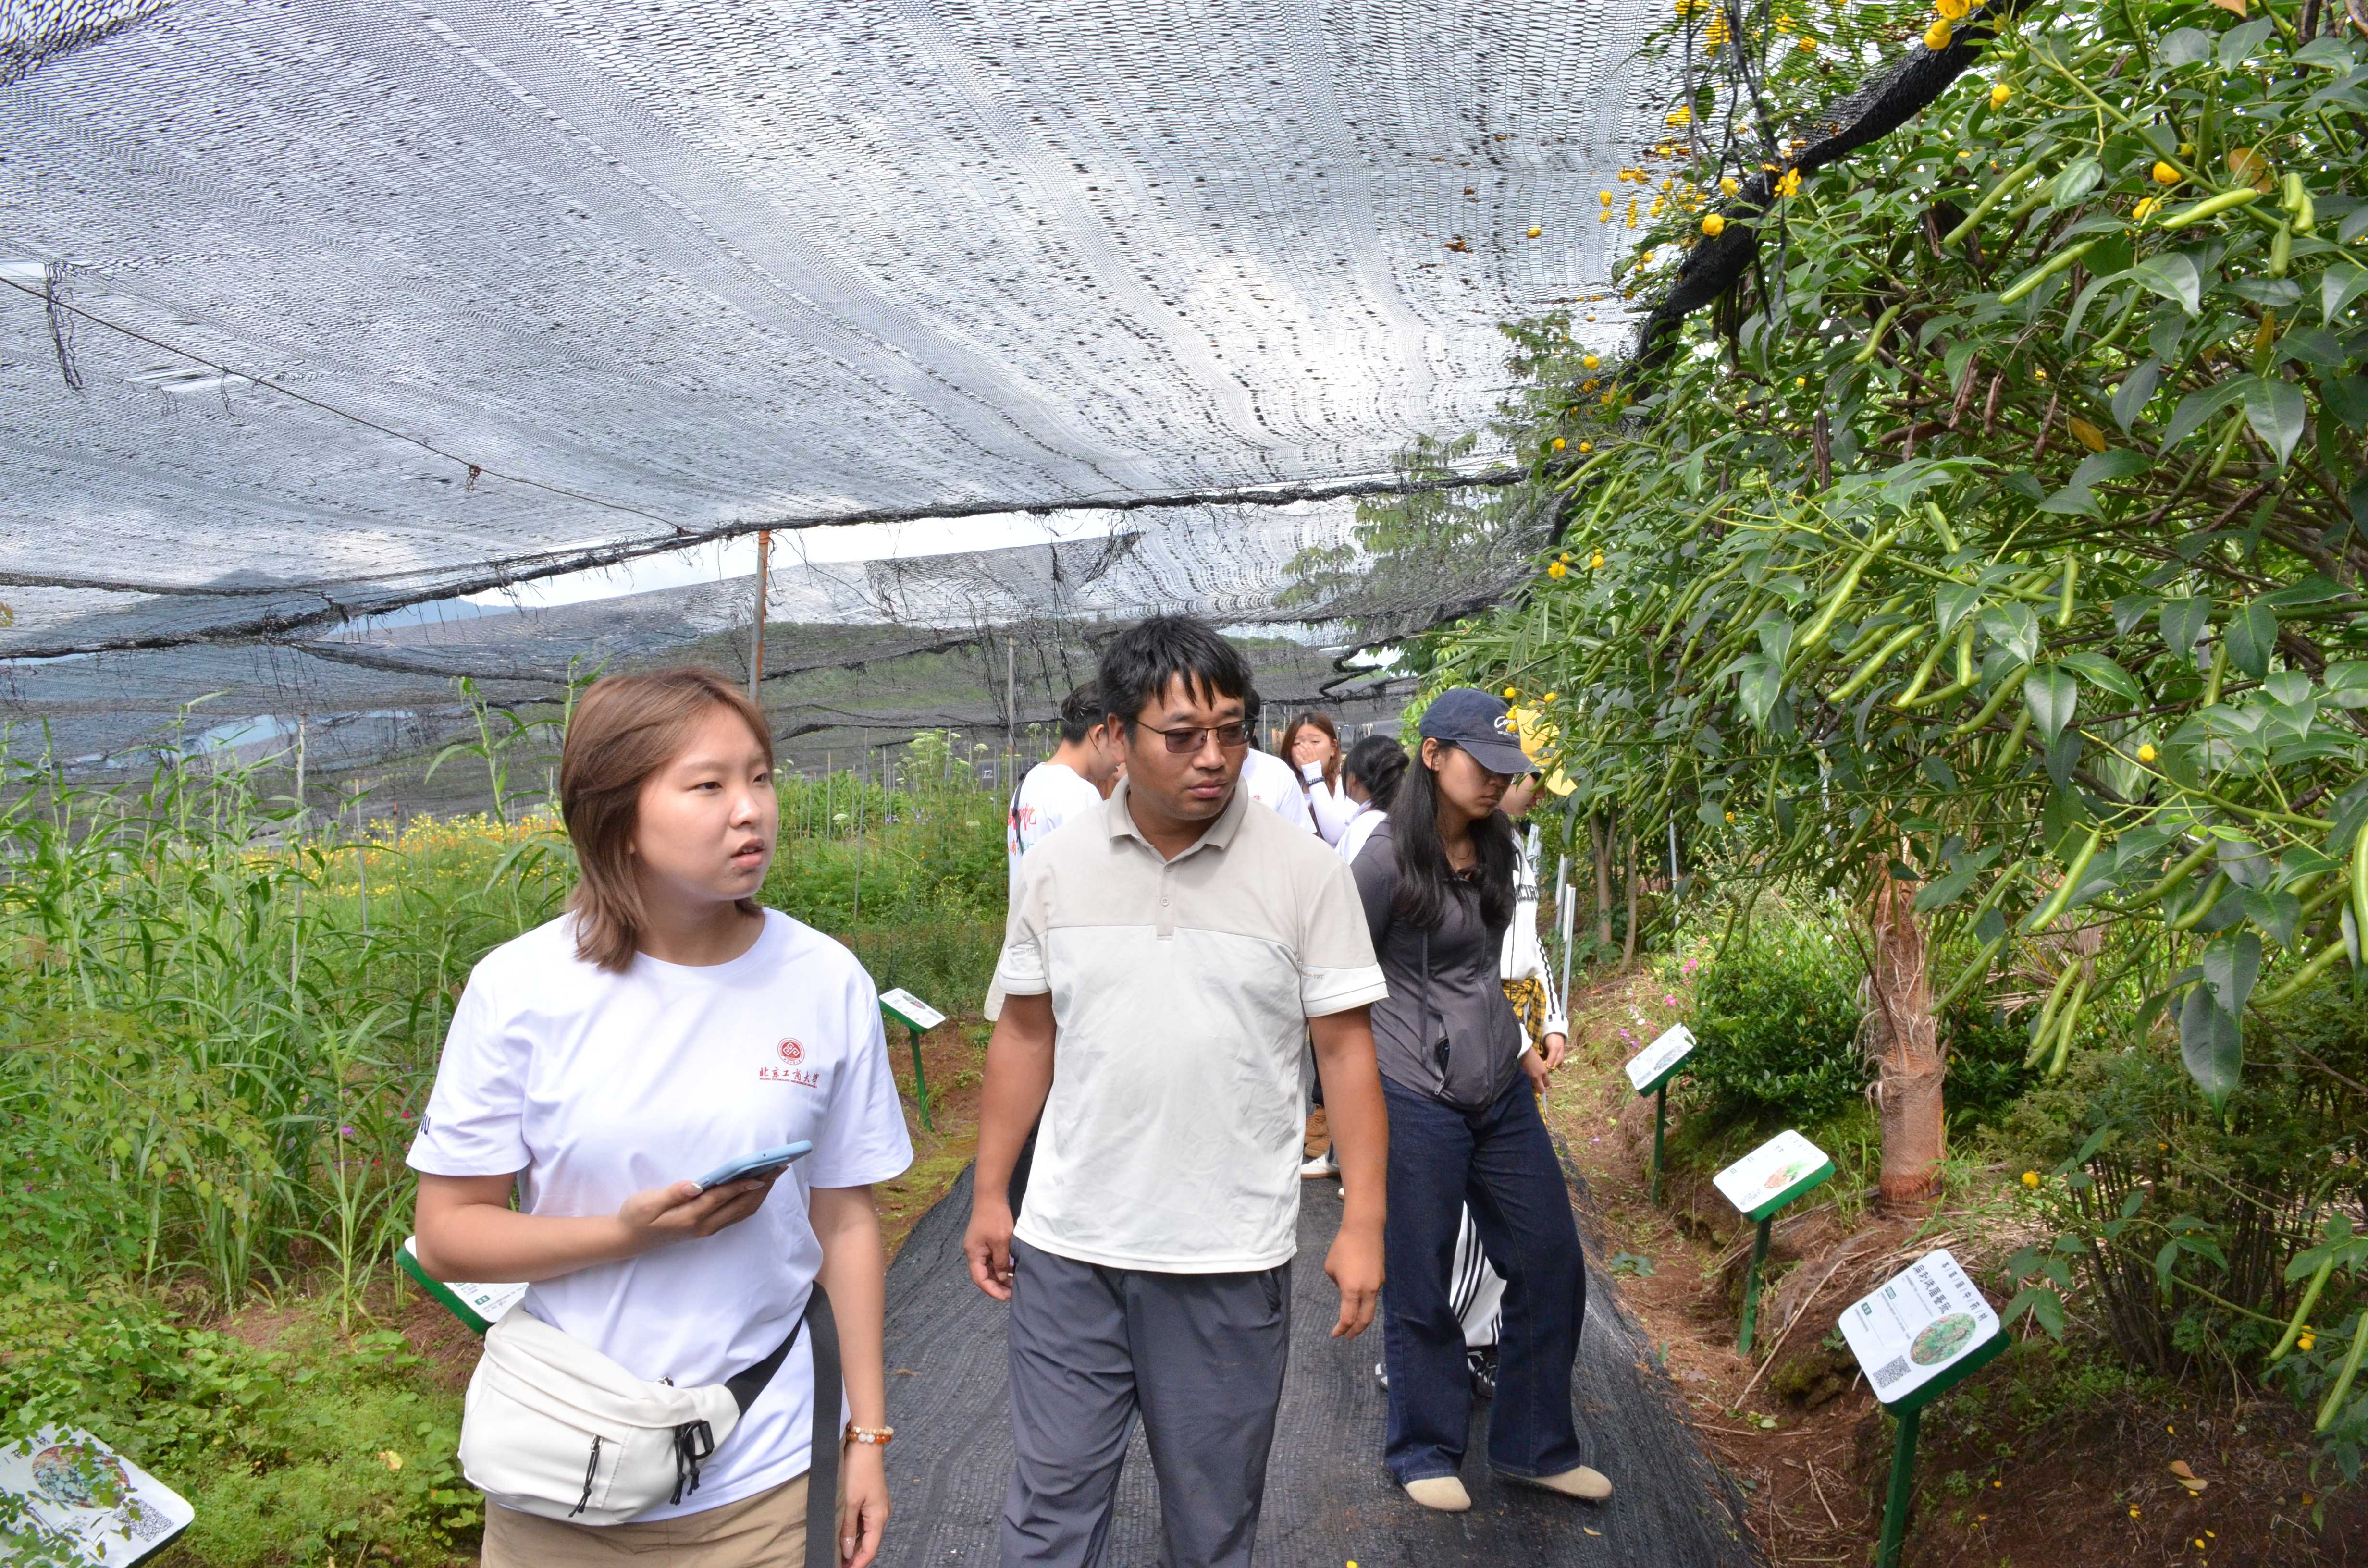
(346, 1131)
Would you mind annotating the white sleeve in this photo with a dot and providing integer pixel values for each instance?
(472, 1126)
(863, 1137)
(1293, 808)
(1334, 810)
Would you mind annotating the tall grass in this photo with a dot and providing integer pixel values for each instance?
(217, 1028)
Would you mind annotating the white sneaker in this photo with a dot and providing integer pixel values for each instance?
(1322, 1166)
(1443, 1493)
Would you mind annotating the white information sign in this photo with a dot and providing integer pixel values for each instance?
(93, 1502)
(1650, 1067)
(1773, 1175)
(479, 1306)
(910, 1009)
(1918, 1325)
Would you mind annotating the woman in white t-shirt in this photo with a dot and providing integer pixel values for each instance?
(664, 1026)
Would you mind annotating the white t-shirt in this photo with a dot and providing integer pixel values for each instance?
(1274, 784)
(594, 1087)
(1360, 828)
(1332, 808)
(1050, 794)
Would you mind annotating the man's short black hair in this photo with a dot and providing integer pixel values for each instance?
(1138, 664)
(1081, 712)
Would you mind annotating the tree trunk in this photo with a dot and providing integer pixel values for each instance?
(1904, 1040)
(1599, 834)
(1628, 937)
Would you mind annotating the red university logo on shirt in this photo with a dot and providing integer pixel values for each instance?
(791, 1052)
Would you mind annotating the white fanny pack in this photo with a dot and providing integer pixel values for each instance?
(554, 1427)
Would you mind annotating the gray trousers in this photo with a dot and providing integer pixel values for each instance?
(1200, 1355)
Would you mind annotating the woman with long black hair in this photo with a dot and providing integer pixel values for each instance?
(1437, 880)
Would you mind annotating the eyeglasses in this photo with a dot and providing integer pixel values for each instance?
(1229, 736)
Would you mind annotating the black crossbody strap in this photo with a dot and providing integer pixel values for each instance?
(821, 1474)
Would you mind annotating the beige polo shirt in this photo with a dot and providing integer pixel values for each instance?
(1180, 988)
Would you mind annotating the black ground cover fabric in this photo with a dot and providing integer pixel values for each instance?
(1329, 1500)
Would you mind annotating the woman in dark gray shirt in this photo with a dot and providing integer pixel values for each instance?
(1460, 1080)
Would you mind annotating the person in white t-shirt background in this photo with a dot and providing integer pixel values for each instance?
(1271, 782)
(666, 1024)
(1078, 776)
(1312, 745)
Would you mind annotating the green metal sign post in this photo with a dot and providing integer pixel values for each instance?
(1650, 1071)
(918, 1018)
(1758, 1184)
(1915, 1337)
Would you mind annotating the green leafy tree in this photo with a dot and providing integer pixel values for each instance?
(1994, 549)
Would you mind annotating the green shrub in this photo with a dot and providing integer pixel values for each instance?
(1777, 1013)
(1987, 1073)
(318, 1446)
(2179, 1226)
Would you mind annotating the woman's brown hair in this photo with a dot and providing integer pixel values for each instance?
(624, 729)
(1313, 721)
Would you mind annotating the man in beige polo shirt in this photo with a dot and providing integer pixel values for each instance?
(1165, 957)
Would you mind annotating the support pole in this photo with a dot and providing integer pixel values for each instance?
(757, 637)
(921, 1082)
(1903, 1490)
(1661, 1123)
(1010, 712)
(1752, 1284)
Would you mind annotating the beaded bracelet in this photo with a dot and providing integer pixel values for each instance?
(876, 1435)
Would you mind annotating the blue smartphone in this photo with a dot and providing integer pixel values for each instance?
(765, 1161)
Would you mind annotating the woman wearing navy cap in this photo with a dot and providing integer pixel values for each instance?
(1462, 1083)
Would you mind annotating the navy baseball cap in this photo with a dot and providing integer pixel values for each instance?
(1480, 723)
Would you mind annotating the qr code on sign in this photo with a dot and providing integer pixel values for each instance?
(1890, 1372)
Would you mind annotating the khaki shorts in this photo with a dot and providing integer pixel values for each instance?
(768, 1530)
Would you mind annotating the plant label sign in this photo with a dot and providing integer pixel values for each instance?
(1921, 1331)
(1658, 1062)
(910, 1010)
(1773, 1175)
(479, 1306)
(84, 1503)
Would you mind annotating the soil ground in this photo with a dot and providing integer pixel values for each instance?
(2034, 1462)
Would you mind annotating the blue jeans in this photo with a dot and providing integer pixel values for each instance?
(1501, 1163)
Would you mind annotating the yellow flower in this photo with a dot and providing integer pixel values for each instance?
(1587, 386)
(1800, 381)
(1730, 816)
(2145, 751)
(2165, 175)
(2307, 1340)
(1536, 230)
(1999, 93)
(1595, 562)
(1587, 445)
(1936, 35)
(1954, 10)
(1557, 570)
(1512, 692)
(1681, 116)
(1726, 183)
(1607, 198)
(1789, 183)
(2031, 1178)
(1589, 361)
(2146, 204)
(1713, 225)
(1549, 697)
(1807, 46)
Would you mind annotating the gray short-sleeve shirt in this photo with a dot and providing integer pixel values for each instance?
(1180, 990)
